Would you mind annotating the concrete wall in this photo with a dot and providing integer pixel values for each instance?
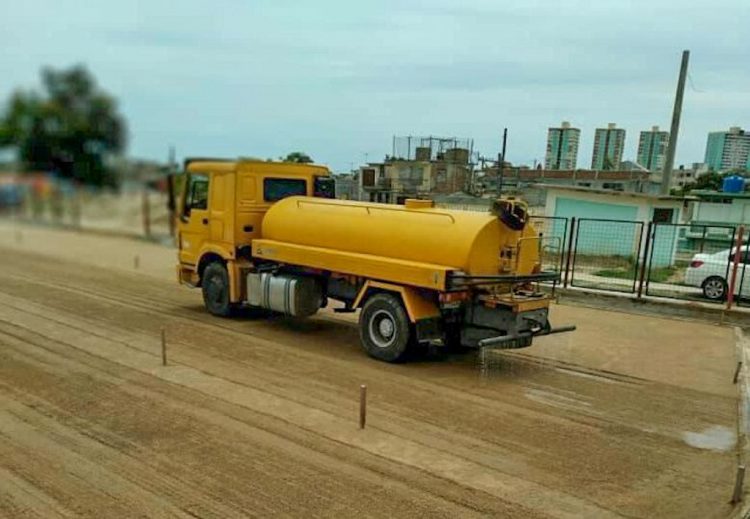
(601, 238)
(728, 214)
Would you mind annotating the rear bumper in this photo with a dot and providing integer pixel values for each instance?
(483, 326)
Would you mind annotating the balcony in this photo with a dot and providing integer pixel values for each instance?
(380, 183)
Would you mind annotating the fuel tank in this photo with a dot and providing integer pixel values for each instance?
(473, 242)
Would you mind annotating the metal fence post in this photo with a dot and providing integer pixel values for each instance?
(645, 259)
(146, 213)
(570, 250)
(735, 264)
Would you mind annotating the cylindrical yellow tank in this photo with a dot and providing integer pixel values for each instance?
(461, 240)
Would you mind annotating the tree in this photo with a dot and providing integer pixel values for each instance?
(710, 181)
(299, 157)
(70, 128)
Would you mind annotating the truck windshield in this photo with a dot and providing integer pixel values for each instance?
(275, 189)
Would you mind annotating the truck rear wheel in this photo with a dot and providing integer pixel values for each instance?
(384, 328)
(215, 285)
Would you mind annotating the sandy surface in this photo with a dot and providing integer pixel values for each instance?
(630, 416)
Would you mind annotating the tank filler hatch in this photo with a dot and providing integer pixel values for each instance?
(511, 212)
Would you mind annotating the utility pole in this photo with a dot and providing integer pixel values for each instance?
(666, 176)
(501, 164)
(171, 200)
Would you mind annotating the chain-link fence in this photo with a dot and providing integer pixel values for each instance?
(688, 261)
(606, 254)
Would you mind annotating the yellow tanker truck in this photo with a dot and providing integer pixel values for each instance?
(271, 235)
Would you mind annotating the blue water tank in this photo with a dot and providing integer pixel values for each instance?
(733, 184)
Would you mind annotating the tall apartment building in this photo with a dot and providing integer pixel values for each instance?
(608, 146)
(728, 150)
(562, 147)
(652, 149)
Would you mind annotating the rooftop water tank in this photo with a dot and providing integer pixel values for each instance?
(733, 184)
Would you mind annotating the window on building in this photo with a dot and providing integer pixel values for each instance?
(663, 215)
(275, 189)
(615, 186)
(368, 177)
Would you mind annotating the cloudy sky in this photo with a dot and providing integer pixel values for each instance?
(338, 78)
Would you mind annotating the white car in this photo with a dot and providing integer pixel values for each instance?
(712, 272)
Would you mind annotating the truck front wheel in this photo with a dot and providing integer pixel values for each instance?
(384, 328)
(215, 284)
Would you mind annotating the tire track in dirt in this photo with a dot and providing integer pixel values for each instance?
(447, 465)
(24, 355)
(271, 358)
(278, 375)
(146, 457)
(431, 405)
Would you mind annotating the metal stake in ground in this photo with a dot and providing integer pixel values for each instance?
(163, 347)
(737, 494)
(362, 406)
(136, 261)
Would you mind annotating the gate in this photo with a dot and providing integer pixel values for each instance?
(606, 254)
(684, 257)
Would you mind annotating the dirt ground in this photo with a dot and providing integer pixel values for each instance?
(630, 416)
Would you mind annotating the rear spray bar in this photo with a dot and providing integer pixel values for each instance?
(498, 342)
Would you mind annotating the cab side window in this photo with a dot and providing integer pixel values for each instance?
(274, 189)
(196, 194)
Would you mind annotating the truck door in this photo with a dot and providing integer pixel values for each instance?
(221, 210)
(194, 217)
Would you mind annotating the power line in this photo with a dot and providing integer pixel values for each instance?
(692, 85)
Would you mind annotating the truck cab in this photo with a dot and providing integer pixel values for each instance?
(222, 207)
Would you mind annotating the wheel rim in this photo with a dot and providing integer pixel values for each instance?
(382, 329)
(714, 288)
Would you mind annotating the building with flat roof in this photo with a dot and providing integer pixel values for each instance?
(652, 149)
(562, 147)
(728, 150)
(609, 143)
(418, 168)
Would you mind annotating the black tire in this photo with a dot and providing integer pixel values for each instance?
(384, 328)
(715, 288)
(215, 285)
